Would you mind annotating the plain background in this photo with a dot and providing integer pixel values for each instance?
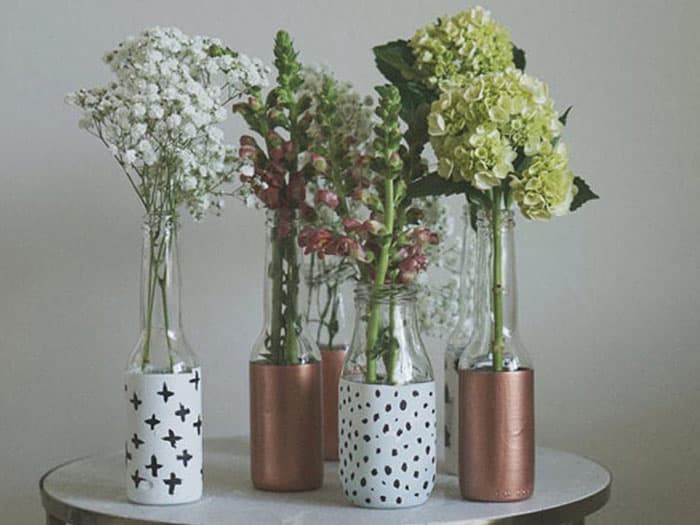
(609, 296)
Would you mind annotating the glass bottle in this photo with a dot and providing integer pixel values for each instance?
(163, 445)
(460, 337)
(286, 434)
(328, 281)
(496, 379)
(387, 429)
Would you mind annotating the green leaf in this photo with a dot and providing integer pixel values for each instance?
(564, 116)
(395, 61)
(432, 185)
(584, 194)
(519, 57)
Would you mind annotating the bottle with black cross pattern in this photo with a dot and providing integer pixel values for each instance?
(163, 383)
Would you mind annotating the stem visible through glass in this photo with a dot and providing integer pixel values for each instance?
(497, 280)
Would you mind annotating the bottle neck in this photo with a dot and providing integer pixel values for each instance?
(282, 277)
(503, 284)
(160, 279)
(496, 284)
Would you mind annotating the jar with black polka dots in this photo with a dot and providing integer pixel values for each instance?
(386, 409)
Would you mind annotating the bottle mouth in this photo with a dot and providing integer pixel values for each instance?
(386, 294)
(333, 269)
(159, 220)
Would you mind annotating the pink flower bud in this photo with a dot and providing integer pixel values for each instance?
(352, 225)
(327, 197)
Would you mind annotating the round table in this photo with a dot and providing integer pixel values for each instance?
(90, 491)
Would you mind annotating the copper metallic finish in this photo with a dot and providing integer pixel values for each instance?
(286, 444)
(332, 364)
(496, 435)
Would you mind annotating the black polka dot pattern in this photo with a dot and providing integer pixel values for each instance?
(387, 443)
(164, 448)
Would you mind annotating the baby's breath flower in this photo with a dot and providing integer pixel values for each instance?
(458, 48)
(157, 117)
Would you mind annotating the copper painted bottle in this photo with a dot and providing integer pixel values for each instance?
(286, 444)
(496, 413)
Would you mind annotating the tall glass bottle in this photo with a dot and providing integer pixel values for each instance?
(162, 382)
(496, 401)
(285, 373)
(460, 337)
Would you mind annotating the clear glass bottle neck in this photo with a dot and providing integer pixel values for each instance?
(281, 340)
(502, 266)
(495, 344)
(160, 276)
(327, 284)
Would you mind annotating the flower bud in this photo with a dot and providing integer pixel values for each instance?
(352, 225)
(319, 163)
(327, 197)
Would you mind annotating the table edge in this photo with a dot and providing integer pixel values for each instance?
(569, 512)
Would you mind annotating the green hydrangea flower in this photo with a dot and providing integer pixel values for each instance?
(477, 129)
(546, 187)
(459, 48)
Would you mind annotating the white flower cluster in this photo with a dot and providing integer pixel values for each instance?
(439, 287)
(160, 118)
(353, 111)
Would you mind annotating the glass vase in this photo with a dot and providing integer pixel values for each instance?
(496, 379)
(163, 386)
(328, 321)
(285, 373)
(457, 342)
(387, 427)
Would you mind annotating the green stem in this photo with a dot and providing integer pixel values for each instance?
(291, 343)
(497, 281)
(393, 351)
(332, 324)
(379, 280)
(275, 274)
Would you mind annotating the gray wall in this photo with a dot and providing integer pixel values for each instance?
(609, 296)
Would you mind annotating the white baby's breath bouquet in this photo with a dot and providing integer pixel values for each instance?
(160, 120)
(160, 117)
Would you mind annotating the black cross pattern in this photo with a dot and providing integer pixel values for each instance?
(185, 457)
(172, 438)
(165, 393)
(135, 401)
(154, 466)
(137, 479)
(137, 441)
(196, 379)
(182, 412)
(127, 454)
(172, 482)
(198, 425)
(152, 421)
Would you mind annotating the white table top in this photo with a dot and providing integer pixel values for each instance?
(91, 490)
